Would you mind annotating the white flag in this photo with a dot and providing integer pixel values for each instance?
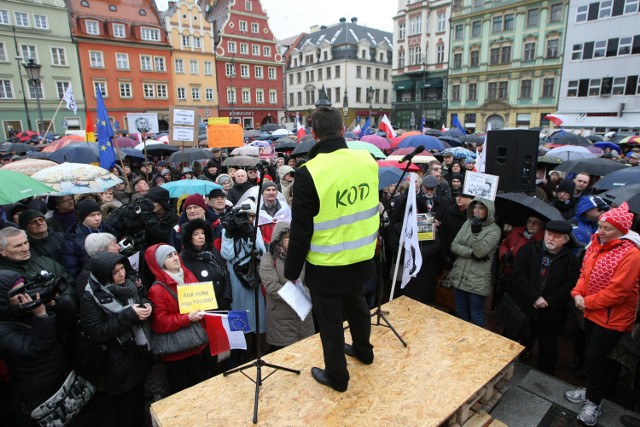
(412, 255)
(481, 158)
(70, 100)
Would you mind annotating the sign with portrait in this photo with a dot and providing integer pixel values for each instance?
(481, 184)
(143, 122)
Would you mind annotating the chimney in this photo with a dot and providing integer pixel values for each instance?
(323, 27)
(313, 28)
(343, 20)
(354, 20)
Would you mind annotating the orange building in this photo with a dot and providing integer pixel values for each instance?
(124, 52)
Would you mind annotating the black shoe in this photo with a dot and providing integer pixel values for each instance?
(321, 376)
(349, 350)
(630, 421)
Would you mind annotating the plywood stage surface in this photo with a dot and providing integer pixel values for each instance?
(446, 363)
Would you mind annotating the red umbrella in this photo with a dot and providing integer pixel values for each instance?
(26, 135)
(125, 142)
(397, 164)
(401, 152)
(376, 140)
(395, 141)
(62, 142)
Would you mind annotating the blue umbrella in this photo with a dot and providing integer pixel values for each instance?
(455, 132)
(459, 153)
(619, 178)
(429, 142)
(189, 186)
(388, 175)
(605, 144)
(84, 152)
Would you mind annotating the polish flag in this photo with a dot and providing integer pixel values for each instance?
(301, 132)
(385, 126)
(221, 337)
(356, 130)
(443, 129)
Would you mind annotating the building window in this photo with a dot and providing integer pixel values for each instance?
(556, 13)
(605, 8)
(22, 19)
(328, 74)
(474, 60)
(368, 73)
(96, 59)
(533, 17)
(594, 87)
(291, 99)
(385, 75)
(243, 26)
(547, 87)
(442, 21)
(150, 34)
(255, 50)
(508, 21)
(118, 31)
(599, 49)
(529, 51)
(230, 69)
(244, 71)
(35, 90)
(208, 94)
(505, 55)
(581, 14)
(630, 6)
(552, 48)
(92, 28)
(401, 58)
(231, 47)
(181, 94)
(496, 26)
(472, 92)
(62, 88)
(492, 91)
(102, 87)
(179, 66)
(619, 84)
(231, 95)
(385, 96)
(149, 90)
(255, 28)
(244, 49)
(298, 78)
(3, 52)
(259, 74)
(358, 94)
(266, 51)
(4, 19)
(503, 90)
(572, 89)
(476, 28)
(271, 72)
(455, 93)
(273, 97)
(195, 93)
(197, 42)
(194, 68)
(186, 41)
(259, 96)
(41, 22)
(125, 90)
(337, 72)
(415, 25)
(159, 63)
(402, 30)
(248, 5)
(494, 57)
(58, 56)
(576, 54)
(29, 52)
(457, 60)
(246, 96)
(145, 63)
(358, 72)
(624, 48)
(377, 73)
(122, 61)
(338, 92)
(440, 53)
(459, 32)
(525, 89)
(162, 91)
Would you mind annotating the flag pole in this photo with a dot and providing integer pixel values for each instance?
(126, 179)
(395, 271)
(52, 119)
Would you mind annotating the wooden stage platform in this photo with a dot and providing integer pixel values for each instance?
(448, 367)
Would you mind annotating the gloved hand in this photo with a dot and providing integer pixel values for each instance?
(476, 225)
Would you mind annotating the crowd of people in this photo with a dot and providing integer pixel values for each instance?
(70, 299)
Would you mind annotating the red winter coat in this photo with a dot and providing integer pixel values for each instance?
(166, 315)
(613, 307)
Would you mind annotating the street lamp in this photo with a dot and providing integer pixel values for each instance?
(345, 106)
(370, 92)
(33, 73)
(233, 89)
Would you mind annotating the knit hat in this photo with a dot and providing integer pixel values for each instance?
(164, 172)
(162, 253)
(160, 196)
(194, 199)
(223, 177)
(567, 185)
(430, 181)
(619, 217)
(26, 217)
(86, 207)
(269, 184)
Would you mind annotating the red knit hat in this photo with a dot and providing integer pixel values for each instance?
(194, 199)
(619, 217)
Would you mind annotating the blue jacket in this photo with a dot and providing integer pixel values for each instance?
(583, 228)
(73, 253)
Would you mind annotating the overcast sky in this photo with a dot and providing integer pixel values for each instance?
(288, 18)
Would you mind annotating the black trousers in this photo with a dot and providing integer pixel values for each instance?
(600, 368)
(547, 334)
(331, 311)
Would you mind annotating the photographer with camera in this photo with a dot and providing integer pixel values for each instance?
(165, 217)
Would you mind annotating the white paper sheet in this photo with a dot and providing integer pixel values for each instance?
(296, 296)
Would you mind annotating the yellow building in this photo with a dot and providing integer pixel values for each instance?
(193, 63)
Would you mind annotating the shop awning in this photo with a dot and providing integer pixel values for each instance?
(432, 82)
(404, 85)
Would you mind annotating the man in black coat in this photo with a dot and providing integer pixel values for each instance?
(454, 217)
(543, 275)
(43, 241)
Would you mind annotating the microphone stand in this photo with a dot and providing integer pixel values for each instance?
(255, 283)
(379, 313)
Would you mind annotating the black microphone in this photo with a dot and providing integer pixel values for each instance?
(419, 149)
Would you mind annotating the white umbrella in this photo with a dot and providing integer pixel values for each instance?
(280, 132)
(77, 178)
(247, 150)
(571, 152)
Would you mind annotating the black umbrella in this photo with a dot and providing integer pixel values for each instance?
(628, 175)
(16, 147)
(451, 140)
(597, 166)
(550, 160)
(621, 194)
(285, 146)
(433, 132)
(594, 138)
(269, 127)
(455, 132)
(515, 208)
(478, 139)
(307, 137)
(190, 154)
(161, 149)
(303, 148)
(571, 139)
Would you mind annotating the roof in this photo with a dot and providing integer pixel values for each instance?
(347, 33)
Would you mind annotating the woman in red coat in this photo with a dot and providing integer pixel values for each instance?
(186, 368)
(607, 294)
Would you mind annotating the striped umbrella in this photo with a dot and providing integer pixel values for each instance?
(359, 145)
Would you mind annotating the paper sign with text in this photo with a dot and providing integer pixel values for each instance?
(227, 135)
(196, 296)
(218, 121)
(183, 126)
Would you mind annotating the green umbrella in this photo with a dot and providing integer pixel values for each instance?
(15, 186)
(359, 145)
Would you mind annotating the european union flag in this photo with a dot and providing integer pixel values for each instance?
(365, 129)
(422, 123)
(455, 122)
(238, 321)
(105, 135)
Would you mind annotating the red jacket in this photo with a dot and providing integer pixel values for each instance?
(166, 315)
(613, 307)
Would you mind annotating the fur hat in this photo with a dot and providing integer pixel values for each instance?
(26, 217)
(86, 207)
(160, 196)
(619, 217)
(162, 253)
(194, 199)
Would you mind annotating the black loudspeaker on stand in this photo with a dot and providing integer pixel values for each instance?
(255, 283)
(513, 156)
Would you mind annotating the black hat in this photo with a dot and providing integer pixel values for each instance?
(160, 196)
(567, 185)
(86, 207)
(26, 217)
(558, 226)
(216, 192)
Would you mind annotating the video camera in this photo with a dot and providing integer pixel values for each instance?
(45, 284)
(234, 220)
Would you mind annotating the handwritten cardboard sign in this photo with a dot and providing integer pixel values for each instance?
(196, 296)
(225, 135)
(184, 126)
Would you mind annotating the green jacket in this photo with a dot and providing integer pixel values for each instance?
(472, 270)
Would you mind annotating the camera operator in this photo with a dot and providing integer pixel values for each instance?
(166, 217)
(195, 207)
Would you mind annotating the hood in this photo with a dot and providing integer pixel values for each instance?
(102, 264)
(584, 204)
(7, 279)
(283, 170)
(191, 226)
(633, 236)
(281, 228)
(491, 210)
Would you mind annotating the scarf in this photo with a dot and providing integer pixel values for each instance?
(604, 268)
(178, 277)
(129, 293)
(278, 252)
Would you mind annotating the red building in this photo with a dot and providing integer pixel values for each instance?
(248, 65)
(124, 51)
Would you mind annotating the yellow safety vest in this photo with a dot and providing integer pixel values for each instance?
(346, 227)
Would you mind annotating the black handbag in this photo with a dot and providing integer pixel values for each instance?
(246, 273)
(184, 339)
(511, 317)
